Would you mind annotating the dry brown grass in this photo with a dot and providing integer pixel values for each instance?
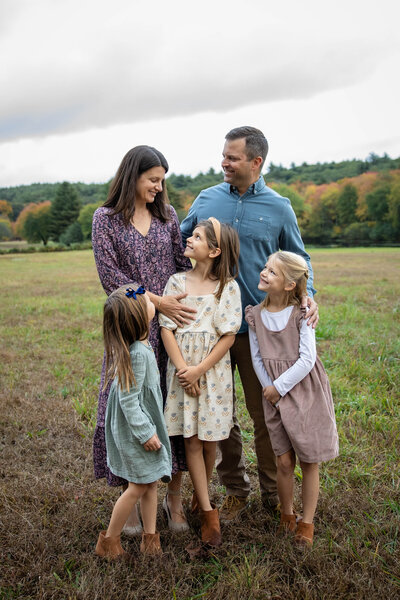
(51, 509)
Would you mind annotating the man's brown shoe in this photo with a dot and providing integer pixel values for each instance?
(271, 504)
(231, 508)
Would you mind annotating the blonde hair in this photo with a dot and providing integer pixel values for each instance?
(295, 270)
(225, 266)
(125, 320)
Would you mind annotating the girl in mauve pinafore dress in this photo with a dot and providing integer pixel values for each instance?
(298, 404)
(306, 417)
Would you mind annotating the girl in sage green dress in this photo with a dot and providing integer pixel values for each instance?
(199, 403)
(138, 448)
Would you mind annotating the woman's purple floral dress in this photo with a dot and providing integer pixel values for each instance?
(123, 255)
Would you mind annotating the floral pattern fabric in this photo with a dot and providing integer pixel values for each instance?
(122, 255)
(209, 415)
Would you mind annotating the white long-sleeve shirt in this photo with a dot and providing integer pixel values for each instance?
(276, 321)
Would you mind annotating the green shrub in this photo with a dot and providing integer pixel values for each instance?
(72, 235)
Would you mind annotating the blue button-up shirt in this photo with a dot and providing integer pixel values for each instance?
(265, 222)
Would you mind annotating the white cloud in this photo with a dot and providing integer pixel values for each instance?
(83, 81)
(77, 65)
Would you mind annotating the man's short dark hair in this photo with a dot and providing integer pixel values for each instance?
(256, 143)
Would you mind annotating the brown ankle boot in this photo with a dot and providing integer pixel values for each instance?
(150, 544)
(210, 528)
(287, 523)
(110, 547)
(304, 534)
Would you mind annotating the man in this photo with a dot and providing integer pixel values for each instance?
(265, 223)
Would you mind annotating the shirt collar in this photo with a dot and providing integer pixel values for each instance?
(255, 187)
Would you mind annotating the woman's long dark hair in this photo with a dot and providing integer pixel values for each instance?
(225, 266)
(121, 196)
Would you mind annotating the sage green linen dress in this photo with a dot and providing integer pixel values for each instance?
(133, 416)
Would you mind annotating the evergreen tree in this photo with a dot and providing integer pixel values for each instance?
(346, 205)
(394, 209)
(64, 209)
(377, 202)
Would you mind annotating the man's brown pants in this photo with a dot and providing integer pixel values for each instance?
(230, 461)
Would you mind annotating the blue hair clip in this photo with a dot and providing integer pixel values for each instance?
(131, 293)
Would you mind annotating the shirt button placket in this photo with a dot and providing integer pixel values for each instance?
(239, 213)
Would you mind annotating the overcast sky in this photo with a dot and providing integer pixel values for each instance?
(83, 81)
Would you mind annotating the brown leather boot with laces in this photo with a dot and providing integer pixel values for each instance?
(231, 508)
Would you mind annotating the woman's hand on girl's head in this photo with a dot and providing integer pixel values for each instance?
(312, 315)
(152, 444)
(271, 394)
(188, 376)
(179, 313)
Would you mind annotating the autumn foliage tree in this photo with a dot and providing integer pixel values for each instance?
(37, 223)
(360, 210)
(394, 209)
(20, 222)
(33, 223)
(5, 224)
(5, 209)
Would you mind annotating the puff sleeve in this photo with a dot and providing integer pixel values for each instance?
(228, 315)
(249, 316)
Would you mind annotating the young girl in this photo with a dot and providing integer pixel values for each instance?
(136, 438)
(200, 393)
(298, 404)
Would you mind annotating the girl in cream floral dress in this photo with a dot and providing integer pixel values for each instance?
(199, 404)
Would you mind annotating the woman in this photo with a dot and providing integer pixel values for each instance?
(136, 238)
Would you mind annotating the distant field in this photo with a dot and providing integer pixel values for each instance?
(21, 245)
(15, 244)
(51, 509)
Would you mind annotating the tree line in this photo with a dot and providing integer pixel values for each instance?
(320, 173)
(61, 213)
(348, 203)
(362, 210)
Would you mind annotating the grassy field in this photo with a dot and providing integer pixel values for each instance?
(51, 509)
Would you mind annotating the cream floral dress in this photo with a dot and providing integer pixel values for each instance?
(210, 414)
